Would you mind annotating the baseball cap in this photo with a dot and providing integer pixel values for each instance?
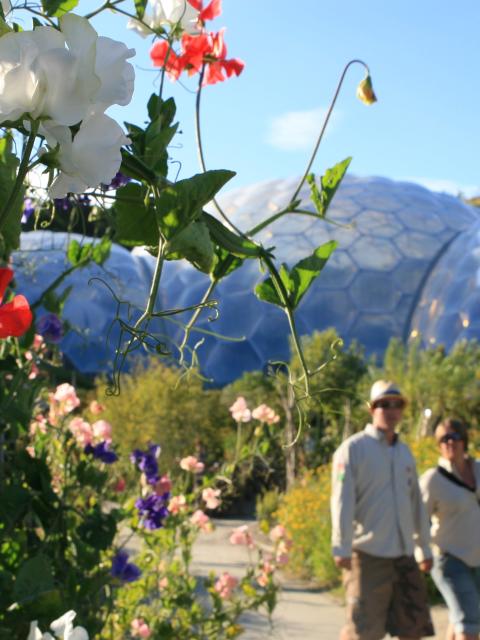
(384, 389)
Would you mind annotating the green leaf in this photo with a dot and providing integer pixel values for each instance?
(134, 219)
(267, 292)
(80, 254)
(304, 272)
(34, 578)
(98, 529)
(230, 241)
(15, 501)
(329, 185)
(223, 264)
(193, 244)
(182, 202)
(57, 8)
(140, 8)
(101, 250)
(8, 173)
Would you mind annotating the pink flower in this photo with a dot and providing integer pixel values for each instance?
(281, 552)
(38, 342)
(240, 411)
(39, 424)
(140, 629)
(211, 497)
(102, 430)
(66, 396)
(163, 583)
(164, 485)
(277, 533)
(201, 520)
(225, 585)
(177, 504)
(242, 535)
(96, 408)
(265, 573)
(120, 485)
(190, 463)
(81, 431)
(265, 414)
(30, 451)
(34, 370)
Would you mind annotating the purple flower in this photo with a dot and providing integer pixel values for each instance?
(63, 205)
(28, 210)
(124, 570)
(102, 452)
(146, 461)
(50, 327)
(119, 180)
(152, 510)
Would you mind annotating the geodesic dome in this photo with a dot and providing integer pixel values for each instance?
(397, 244)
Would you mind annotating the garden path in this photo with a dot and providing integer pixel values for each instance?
(302, 613)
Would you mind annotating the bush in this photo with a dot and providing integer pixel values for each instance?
(267, 506)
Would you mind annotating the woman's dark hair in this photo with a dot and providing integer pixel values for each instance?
(457, 426)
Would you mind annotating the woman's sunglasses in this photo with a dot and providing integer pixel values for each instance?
(450, 437)
(389, 404)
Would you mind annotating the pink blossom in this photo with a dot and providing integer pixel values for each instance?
(164, 485)
(39, 424)
(120, 485)
(38, 342)
(66, 396)
(96, 408)
(177, 504)
(240, 411)
(242, 535)
(81, 431)
(34, 370)
(265, 414)
(266, 570)
(278, 533)
(211, 497)
(102, 430)
(201, 520)
(163, 583)
(140, 629)
(192, 464)
(281, 552)
(225, 585)
(31, 451)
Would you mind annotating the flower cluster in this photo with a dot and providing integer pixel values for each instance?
(153, 508)
(55, 79)
(62, 628)
(146, 462)
(139, 628)
(225, 585)
(15, 316)
(241, 413)
(201, 51)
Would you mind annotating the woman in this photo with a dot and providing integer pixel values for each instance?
(451, 493)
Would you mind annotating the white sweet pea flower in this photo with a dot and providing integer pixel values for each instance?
(169, 13)
(93, 156)
(6, 6)
(62, 75)
(62, 627)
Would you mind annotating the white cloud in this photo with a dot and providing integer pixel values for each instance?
(298, 130)
(447, 186)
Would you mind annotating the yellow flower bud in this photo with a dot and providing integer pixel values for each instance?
(365, 91)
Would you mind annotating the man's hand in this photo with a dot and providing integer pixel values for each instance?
(426, 565)
(343, 563)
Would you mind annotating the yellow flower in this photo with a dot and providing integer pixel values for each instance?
(365, 91)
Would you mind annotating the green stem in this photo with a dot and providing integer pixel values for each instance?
(325, 123)
(193, 319)
(22, 172)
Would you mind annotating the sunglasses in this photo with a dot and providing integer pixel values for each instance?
(389, 404)
(450, 437)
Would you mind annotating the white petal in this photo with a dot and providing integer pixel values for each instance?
(35, 633)
(140, 27)
(78, 633)
(65, 184)
(63, 625)
(117, 76)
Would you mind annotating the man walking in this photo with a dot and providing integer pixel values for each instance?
(377, 520)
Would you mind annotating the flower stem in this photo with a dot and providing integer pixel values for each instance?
(325, 123)
(193, 319)
(22, 172)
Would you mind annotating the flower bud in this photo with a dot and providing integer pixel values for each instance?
(365, 91)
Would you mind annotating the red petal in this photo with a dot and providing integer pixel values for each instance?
(6, 276)
(233, 66)
(196, 4)
(173, 65)
(213, 73)
(211, 11)
(15, 317)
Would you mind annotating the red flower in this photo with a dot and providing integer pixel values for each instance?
(209, 49)
(211, 11)
(164, 56)
(15, 316)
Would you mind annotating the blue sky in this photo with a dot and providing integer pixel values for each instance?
(424, 59)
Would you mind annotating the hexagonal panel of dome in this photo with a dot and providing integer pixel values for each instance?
(397, 241)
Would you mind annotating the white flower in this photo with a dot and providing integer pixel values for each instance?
(62, 75)
(62, 627)
(167, 12)
(93, 156)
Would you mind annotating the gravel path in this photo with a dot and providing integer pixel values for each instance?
(301, 613)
